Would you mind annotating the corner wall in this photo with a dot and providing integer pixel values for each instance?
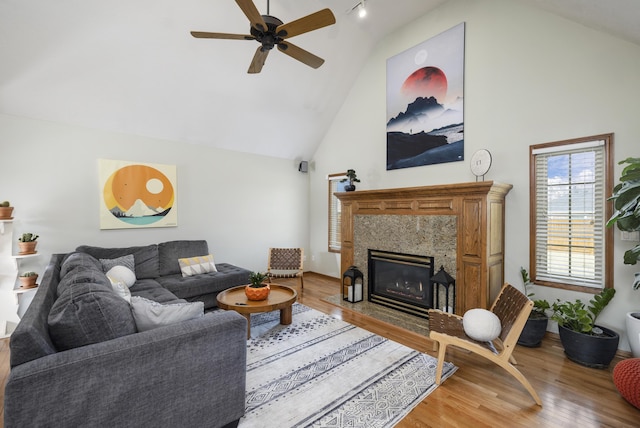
(530, 77)
(240, 203)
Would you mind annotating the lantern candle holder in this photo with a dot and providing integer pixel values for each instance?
(352, 281)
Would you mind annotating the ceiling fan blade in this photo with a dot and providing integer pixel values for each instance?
(316, 20)
(251, 11)
(205, 35)
(300, 54)
(258, 61)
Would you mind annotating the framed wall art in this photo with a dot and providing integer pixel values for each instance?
(425, 102)
(137, 195)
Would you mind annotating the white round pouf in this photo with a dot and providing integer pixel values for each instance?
(481, 325)
(122, 274)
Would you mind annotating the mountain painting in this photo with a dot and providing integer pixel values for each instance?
(137, 195)
(425, 102)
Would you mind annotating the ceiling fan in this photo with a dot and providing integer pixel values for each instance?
(269, 31)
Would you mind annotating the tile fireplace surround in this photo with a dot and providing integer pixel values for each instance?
(460, 225)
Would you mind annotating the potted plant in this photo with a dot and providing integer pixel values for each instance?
(536, 326)
(257, 290)
(6, 210)
(626, 201)
(28, 279)
(351, 178)
(585, 342)
(27, 243)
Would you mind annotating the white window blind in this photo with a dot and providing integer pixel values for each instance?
(570, 214)
(335, 212)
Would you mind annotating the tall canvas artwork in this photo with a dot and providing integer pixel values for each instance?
(137, 195)
(425, 99)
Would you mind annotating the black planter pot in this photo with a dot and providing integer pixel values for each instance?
(349, 187)
(533, 332)
(587, 350)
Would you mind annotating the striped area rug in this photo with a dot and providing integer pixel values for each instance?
(323, 372)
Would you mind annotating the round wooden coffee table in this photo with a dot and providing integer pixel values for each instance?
(280, 297)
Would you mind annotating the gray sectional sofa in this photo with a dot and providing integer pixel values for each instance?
(78, 357)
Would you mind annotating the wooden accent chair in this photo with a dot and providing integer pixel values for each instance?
(512, 308)
(285, 263)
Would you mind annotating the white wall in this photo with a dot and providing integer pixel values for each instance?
(240, 203)
(530, 78)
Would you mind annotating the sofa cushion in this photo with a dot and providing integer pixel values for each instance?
(82, 274)
(75, 259)
(226, 276)
(152, 290)
(197, 265)
(149, 314)
(146, 257)
(88, 312)
(170, 252)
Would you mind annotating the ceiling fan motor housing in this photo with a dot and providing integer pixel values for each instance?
(269, 38)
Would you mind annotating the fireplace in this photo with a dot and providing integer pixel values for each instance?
(401, 281)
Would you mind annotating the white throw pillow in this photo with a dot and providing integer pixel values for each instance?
(481, 325)
(122, 274)
(121, 289)
(149, 314)
(196, 265)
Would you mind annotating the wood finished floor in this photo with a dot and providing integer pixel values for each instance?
(480, 394)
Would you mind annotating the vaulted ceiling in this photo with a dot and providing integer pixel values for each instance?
(133, 67)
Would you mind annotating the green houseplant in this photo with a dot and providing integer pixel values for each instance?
(626, 201)
(583, 340)
(257, 289)
(351, 178)
(536, 326)
(5, 210)
(27, 243)
(28, 279)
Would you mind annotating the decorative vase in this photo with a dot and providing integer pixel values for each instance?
(253, 293)
(27, 247)
(28, 281)
(632, 322)
(588, 350)
(5, 213)
(533, 332)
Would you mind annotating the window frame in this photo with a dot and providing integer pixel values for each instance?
(334, 201)
(607, 232)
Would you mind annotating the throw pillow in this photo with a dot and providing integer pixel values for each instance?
(481, 325)
(197, 265)
(127, 261)
(149, 314)
(122, 274)
(120, 288)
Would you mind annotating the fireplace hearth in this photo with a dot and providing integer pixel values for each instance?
(401, 281)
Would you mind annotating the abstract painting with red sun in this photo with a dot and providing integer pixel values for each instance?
(135, 195)
(425, 102)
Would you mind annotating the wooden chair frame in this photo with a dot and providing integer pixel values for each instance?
(286, 263)
(512, 308)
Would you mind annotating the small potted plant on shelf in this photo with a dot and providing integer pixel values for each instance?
(27, 243)
(28, 279)
(257, 290)
(6, 210)
(626, 201)
(536, 326)
(585, 342)
(351, 178)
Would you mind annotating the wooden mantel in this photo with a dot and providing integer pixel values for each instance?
(480, 211)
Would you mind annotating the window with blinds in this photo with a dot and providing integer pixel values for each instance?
(570, 243)
(334, 210)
